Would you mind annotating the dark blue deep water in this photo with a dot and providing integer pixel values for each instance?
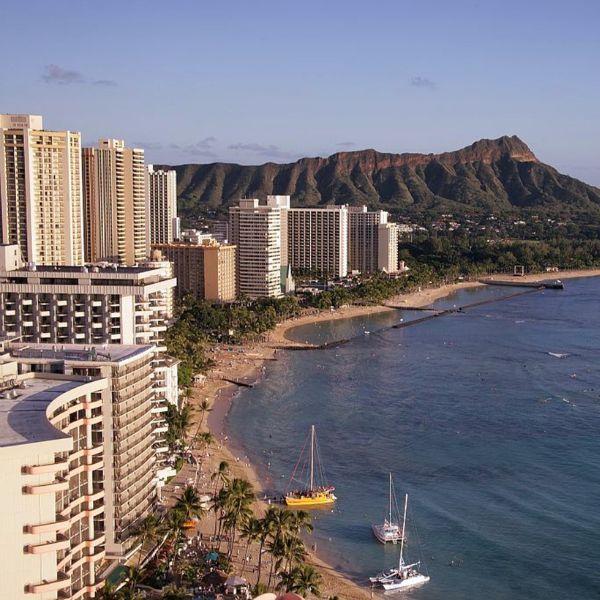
(496, 441)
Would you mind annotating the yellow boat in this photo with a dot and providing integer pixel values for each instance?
(312, 495)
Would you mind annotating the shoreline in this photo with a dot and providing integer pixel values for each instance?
(247, 364)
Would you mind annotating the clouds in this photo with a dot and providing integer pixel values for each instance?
(209, 149)
(148, 145)
(204, 147)
(346, 144)
(266, 151)
(105, 82)
(57, 75)
(423, 82)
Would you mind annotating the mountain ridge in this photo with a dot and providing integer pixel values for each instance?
(488, 175)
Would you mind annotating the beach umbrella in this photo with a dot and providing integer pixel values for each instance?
(235, 581)
(212, 556)
(289, 596)
(267, 596)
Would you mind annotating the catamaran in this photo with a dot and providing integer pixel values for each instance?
(406, 576)
(389, 531)
(312, 494)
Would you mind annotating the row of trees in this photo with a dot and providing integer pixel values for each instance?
(459, 254)
(202, 323)
(278, 532)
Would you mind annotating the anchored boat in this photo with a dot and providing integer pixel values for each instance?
(312, 493)
(406, 576)
(390, 530)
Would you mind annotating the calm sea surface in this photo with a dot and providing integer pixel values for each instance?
(496, 441)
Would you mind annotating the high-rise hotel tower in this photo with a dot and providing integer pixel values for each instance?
(115, 203)
(163, 224)
(255, 229)
(40, 191)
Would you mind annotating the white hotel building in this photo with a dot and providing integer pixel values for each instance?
(255, 230)
(95, 306)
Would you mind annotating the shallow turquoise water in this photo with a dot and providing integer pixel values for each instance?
(496, 441)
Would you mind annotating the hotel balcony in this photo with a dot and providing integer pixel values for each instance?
(61, 524)
(45, 587)
(58, 465)
(59, 485)
(61, 542)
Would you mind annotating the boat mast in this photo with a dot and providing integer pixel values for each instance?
(390, 515)
(403, 530)
(312, 455)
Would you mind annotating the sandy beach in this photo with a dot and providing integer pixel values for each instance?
(245, 364)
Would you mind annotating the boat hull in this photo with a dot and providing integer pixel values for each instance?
(317, 500)
(386, 534)
(404, 584)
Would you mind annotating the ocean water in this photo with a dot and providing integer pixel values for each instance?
(496, 441)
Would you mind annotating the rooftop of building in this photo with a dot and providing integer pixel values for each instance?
(92, 269)
(205, 243)
(23, 407)
(111, 353)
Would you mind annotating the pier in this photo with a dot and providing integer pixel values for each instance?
(239, 383)
(309, 346)
(555, 284)
(464, 307)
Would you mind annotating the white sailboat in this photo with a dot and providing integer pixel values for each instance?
(389, 531)
(406, 576)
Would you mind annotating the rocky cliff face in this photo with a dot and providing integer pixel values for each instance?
(488, 175)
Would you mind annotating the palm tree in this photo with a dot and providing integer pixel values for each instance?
(306, 580)
(206, 439)
(250, 530)
(189, 503)
(239, 497)
(302, 521)
(292, 550)
(286, 580)
(174, 593)
(173, 527)
(147, 531)
(218, 505)
(281, 522)
(266, 527)
(220, 476)
(204, 407)
(133, 575)
(109, 592)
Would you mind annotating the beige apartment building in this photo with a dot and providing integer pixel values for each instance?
(255, 230)
(318, 240)
(162, 205)
(41, 191)
(115, 203)
(76, 461)
(51, 462)
(127, 449)
(207, 270)
(372, 241)
(388, 235)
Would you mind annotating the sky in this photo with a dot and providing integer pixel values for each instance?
(257, 81)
